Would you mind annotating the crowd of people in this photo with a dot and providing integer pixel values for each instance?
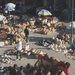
(62, 68)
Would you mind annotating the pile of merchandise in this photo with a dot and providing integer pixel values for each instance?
(6, 59)
(70, 54)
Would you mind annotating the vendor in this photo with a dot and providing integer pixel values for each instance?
(67, 38)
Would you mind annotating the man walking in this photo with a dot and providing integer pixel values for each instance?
(19, 49)
(26, 31)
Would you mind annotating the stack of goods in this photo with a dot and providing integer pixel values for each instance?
(26, 50)
(49, 30)
(19, 34)
(60, 25)
(11, 52)
(22, 36)
(64, 36)
(54, 20)
(27, 23)
(70, 54)
(38, 30)
(32, 22)
(10, 28)
(22, 25)
(6, 59)
(54, 44)
(45, 30)
(32, 28)
(59, 46)
(13, 37)
(38, 53)
(34, 52)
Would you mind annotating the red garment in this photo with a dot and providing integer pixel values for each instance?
(50, 19)
(67, 70)
(6, 29)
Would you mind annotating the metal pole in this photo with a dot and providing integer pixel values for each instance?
(72, 22)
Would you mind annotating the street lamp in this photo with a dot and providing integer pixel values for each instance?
(72, 21)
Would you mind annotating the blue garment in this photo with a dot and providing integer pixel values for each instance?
(73, 46)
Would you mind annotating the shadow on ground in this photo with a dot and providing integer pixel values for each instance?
(34, 39)
(29, 57)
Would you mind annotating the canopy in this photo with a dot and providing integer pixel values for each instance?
(2, 17)
(10, 7)
(44, 12)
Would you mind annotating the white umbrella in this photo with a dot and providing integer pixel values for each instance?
(10, 5)
(9, 8)
(2, 17)
(44, 12)
(68, 26)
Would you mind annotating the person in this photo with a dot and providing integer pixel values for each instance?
(28, 67)
(21, 71)
(26, 31)
(14, 70)
(48, 24)
(67, 68)
(19, 49)
(67, 38)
